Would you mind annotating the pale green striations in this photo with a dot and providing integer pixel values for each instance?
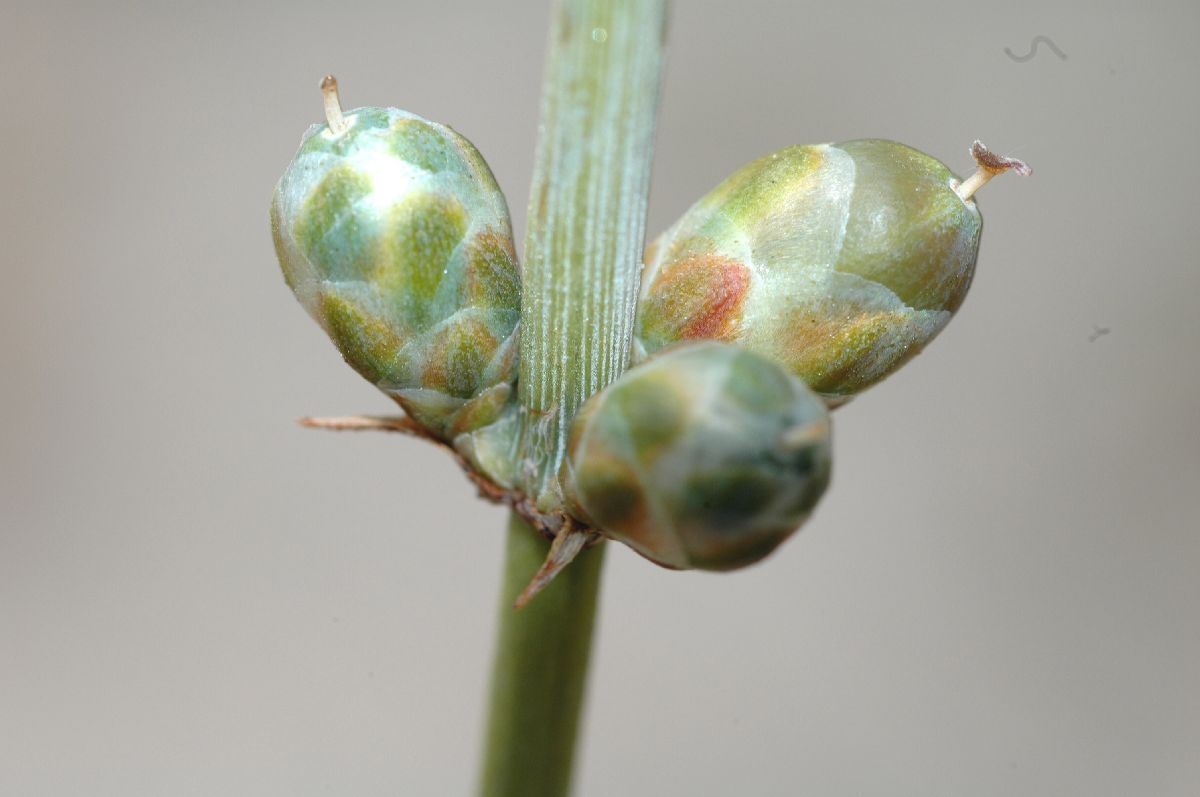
(704, 456)
(840, 261)
(395, 237)
(587, 216)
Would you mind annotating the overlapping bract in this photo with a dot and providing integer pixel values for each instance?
(828, 266)
(704, 456)
(839, 261)
(395, 237)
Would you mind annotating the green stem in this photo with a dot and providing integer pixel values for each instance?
(540, 671)
(587, 217)
(583, 251)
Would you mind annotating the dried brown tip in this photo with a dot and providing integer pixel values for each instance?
(333, 106)
(359, 423)
(568, 544)
(997, 163)
(990, 164)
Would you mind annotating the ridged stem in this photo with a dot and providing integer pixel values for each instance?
(580, 280)
(540, 671)
(587, 215)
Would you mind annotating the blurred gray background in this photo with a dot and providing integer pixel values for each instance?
(999, 595)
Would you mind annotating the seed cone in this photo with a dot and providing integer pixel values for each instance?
(394, 236)
(704, 456)
(840, 261)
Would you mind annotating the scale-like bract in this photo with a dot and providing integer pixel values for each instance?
(840, 261)
(704, 456)
(395, 237)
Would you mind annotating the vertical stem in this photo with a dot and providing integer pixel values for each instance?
(540, 671)
(587, 216)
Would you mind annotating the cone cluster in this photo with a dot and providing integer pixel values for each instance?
(804, 278)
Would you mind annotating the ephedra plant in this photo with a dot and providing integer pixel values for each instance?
(804, 278)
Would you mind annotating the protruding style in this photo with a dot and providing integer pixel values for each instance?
(394, 236)
(333, 106)
(839, 261)
(990, 164)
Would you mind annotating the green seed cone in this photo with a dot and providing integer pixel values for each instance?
(395, 237)
(704, 456)
(840, 261)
